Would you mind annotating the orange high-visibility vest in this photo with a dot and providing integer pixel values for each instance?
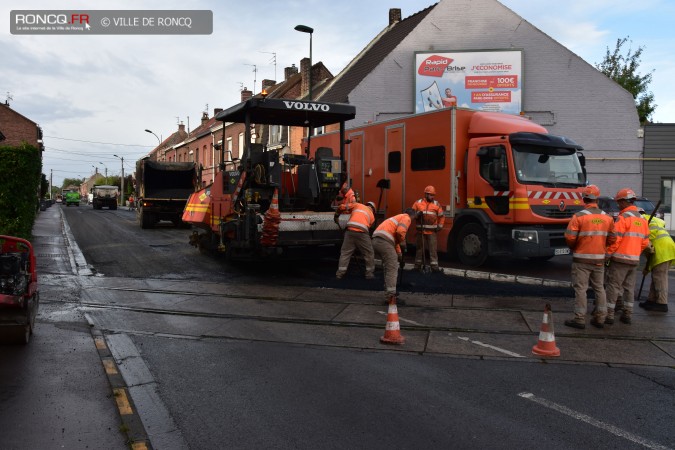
(432, 215)
(589, 233)
(632, 236)
(361, 216)
(394, 229)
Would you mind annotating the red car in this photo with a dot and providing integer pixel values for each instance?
(19, 295)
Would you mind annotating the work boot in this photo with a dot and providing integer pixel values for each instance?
(597, 324)
(609, 320)
(625, 319)
(339, 276)
(653, 306)
(575, 324)
(436, 269)
(370, 276)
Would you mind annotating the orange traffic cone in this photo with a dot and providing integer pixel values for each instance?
(270, 230)
(546, 345)
(392, 332)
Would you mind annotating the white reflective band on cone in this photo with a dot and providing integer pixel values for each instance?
(545, 336)
(392, 326)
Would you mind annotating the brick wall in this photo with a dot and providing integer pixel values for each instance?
(17, 128)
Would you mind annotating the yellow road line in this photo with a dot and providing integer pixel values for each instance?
(110, 367)
(100, 343)
(122, 402)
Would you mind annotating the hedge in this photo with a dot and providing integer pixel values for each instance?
(20, 172)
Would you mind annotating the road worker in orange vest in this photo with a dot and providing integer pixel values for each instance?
(357, 236)
(430, 220)
(346, 195)
(588, 235)
(389, 242)
(632, 237)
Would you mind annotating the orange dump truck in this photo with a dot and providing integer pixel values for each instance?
(508, 187)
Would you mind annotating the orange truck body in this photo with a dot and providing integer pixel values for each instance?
(476, 161)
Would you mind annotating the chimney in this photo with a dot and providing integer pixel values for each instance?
(266, 84)
(216, 111)
(246, 94)
(290, 71)
(394, 15)
(181, 127)
(305, 71)
(205, 117)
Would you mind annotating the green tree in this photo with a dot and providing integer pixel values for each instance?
(624, 70)
(73, 181)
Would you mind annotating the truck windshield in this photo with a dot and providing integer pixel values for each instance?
(541, 165)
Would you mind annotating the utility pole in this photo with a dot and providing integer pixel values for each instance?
(122, 181)
(51, 176)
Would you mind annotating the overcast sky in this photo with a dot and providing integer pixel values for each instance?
(94, 96)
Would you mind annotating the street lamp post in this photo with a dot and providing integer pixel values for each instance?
(122, 182)
(310, 30)
(159, 141)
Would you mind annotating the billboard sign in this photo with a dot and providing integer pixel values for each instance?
(487, 80)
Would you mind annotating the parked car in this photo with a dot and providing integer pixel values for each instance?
(609, 205)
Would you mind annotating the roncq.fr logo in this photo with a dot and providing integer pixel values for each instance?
(51, 19)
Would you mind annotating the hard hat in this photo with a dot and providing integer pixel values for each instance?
(372, 205)
(591, 192)
(625, 194)
(430, 190)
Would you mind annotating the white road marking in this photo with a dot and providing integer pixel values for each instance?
(591, 421)
(501, 350)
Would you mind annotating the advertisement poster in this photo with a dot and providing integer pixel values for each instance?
(488, 80)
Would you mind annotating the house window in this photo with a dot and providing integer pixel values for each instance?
(275, 134)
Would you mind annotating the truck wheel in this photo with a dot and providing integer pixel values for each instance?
(146, 220)
(472, 245)
(113, 207)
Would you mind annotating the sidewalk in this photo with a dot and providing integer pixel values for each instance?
(54, 391)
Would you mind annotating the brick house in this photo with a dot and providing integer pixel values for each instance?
(165, 151)
(18, 129)
(213, 141)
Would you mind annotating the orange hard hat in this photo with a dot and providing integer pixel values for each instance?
(591, 192)
(625, 194)
(430, 190)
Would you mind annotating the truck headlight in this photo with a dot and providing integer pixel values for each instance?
(525, 236)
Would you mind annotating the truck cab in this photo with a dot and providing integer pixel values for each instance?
(520, 187)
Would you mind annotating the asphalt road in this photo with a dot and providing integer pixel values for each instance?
(284, 356)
